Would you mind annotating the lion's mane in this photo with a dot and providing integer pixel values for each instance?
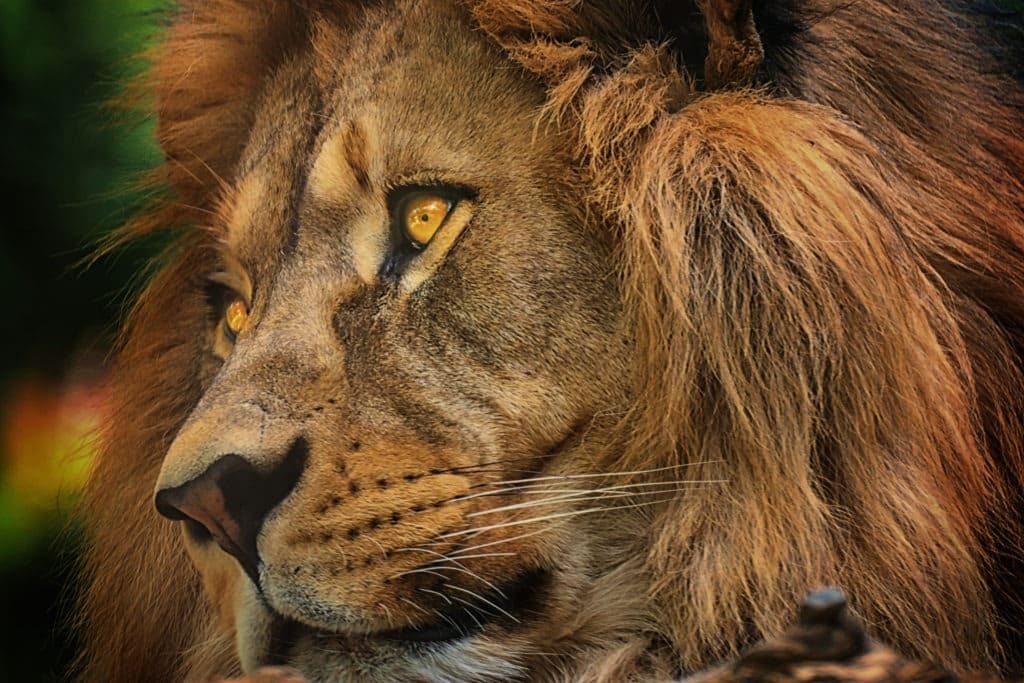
(826, 272)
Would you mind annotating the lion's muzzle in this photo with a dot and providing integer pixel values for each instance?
(231, 498)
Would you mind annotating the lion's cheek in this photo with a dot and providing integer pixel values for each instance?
(354, 567)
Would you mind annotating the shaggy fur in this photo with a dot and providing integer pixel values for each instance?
(823, 272)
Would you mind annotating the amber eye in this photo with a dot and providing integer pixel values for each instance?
(421, 215)
(235, 317)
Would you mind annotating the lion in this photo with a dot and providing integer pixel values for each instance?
(520, 340)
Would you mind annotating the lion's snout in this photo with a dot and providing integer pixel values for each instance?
(231, 498)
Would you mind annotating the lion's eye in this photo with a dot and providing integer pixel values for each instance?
(421, 215)
(235, 317)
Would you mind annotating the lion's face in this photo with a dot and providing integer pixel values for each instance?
(413, 336)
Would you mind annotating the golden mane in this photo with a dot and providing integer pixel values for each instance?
(827, 277)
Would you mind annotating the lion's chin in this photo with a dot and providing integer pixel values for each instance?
(268, 638)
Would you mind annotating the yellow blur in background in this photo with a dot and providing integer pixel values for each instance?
(46, 440)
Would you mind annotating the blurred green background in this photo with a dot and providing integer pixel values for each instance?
(68, 162)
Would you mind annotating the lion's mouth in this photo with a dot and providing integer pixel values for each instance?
(507, 605)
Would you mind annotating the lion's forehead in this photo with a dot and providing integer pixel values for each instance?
(433, 97)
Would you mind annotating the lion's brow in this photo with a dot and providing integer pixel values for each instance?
(355, 148)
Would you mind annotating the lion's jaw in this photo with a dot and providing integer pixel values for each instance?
(435, 417)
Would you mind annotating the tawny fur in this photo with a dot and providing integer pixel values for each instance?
(826, 276)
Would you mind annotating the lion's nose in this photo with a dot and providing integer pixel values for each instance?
(231, 499)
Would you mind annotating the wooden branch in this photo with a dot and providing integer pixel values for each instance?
(828, 643)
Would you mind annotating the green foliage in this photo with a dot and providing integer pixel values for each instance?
(65, 166)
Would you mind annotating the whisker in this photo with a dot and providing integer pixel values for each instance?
(533, 489)
(557, 515)
(410, 602)
(496, 466)
(481, 599)
(458, 565)
(420, 570)
(437, 593)
(383, 552)
(412, 624)
(469, 612)
(451, 622)
(582, 496)
(387, 612)
(468, 557)
(480, 546)
(420, 549)
(434, 569)
(493, 464)
(544, 484)
(600, 475)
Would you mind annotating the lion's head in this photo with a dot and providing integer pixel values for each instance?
(502, 341)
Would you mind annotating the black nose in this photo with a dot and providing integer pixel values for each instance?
(232, 498)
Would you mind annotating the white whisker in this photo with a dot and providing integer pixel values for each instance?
(434, 569)
(383, 552)
(450, 621)
(535, 489)
(469, 612)
(437, 593)
(481, 599)
(600, 475)
(469, 557)
(479, 546)
(583, 495)
(410, 602)
(458, 565)
(420, 570)
(387, 612)
(418, 549)
(548, 518)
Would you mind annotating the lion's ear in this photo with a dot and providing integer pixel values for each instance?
(206, 72)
